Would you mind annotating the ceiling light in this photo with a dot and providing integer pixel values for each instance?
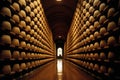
(58, 0)
(59, 36)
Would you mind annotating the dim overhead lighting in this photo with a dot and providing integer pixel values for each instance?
(59, 36)
(58, 0)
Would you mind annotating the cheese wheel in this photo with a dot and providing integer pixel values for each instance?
(102, 69)
(16, 6)
(111, 11)
(23, 55)
(87, 6)
(6, 25)
(111, 26)
(5, 54)
(102, 7)
(28, 19)
(102, 43)
(96, 45)
(96, 3)
(102, 56)
(91, 10)
(5, 39)
(22, 44)
(15, 30)
(16, 18)
(111, 41)
(22, 2)
(96, 67)
(110, 71)
(91, 19)
(22, 24)
(96, 13)
(23, 34)
(23, 66)
(111, 55)
(27, 9)
(6, 69)
(96, 56)
(103, 30)
(5, 11)
(96, 24)
(102, 19)
(32, 6)
(15, 42)
(35, 11)
(27, 28)
(16, 68)
(22, 14)
(16, 54)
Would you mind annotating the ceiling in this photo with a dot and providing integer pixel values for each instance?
(59, 16)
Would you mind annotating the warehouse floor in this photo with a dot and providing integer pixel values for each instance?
(59, 70)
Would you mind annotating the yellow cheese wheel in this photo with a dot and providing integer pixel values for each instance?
(32, 6)
(111, 55)
(22, 24)
(87, 6)
(96, 13)
(96, 3)
(102, 43)
(91, 9)
(15, 30)
(15, 42)
(22, 44)
(16, 68)
(96, 67)
(102, 19)
(23, 34)
(16, 54)
(23, 55)
(103, 30)
(102, 69)
(28, 19)
(22, 14)
(111, 26)
(111, 11)
(5, 54)
(35, 11)
(102, 56)
(22, 2)
(96, 55)
(6, 69)
(102, 6)
(16, 6)
(111, 41)
(6, 25)
(5, 39)
(16, 18)
(6, 11)
(27, 9)
(23, 66)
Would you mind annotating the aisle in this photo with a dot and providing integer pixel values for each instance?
(59, 70)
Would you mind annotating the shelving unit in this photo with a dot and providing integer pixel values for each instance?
(26, 40)
(93, 40)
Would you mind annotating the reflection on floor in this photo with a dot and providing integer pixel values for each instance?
(64, 70)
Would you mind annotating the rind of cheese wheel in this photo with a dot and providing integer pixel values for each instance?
(102, 6)
(16, 67)
(22, 14)
(16, 6)
(6, 25)
(111, 11)
(16, 54)
(5, 54)
(15, 42)
(16, 18)
(6, 39)
(6, 12)
(111, 41)
(27, 9)
(111, 26)
(22, 2)
(6, 69)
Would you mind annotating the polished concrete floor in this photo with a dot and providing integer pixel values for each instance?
(59, 70)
